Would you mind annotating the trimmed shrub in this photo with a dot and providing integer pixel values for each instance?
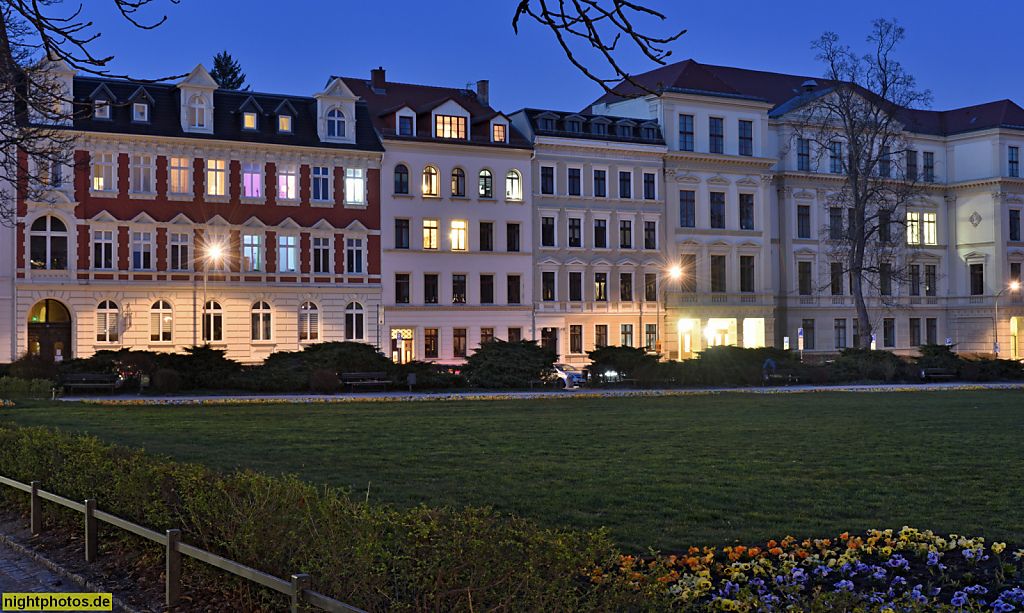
(201, 367)
(504, 364)
(628, 362)
(970, 371)
(324, 382)
(855, 364)
(818, 375)
(166, 381)
(12, 387)
(726, 365)
(33, 366)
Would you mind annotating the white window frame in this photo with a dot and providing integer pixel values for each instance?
(179, 176)
(197, 109)
(216, 178)
(252, 251)
(355, 186)
(108, 319)
(288, 182)
(104, 172)
(175, 242)
(319, 244)
(288, 253)
(261, 322)
(355, 255)
(252, 180)
(284, 124)
(459, 234)
(356, 315)
(913, 227)
(309, 322)
(100, 237)
(250, 122)
(929, 229)
(513, 185)
(140, 112)
(101, 109)
(320, 181)
(337, 121)
(161, 322)
(143, 167)
(212, 333)
(143, 243)
(436, 228)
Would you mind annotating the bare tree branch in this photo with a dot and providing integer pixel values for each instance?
(593, 23)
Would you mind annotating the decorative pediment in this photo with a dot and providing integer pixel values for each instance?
(102, 93)
(747, 182)
(182, 219)
(356, 227)
(337, 89)
(253, 222)
(689, 244)
(104, 217)
(1015, 255)
(1014, 199)
(918, 256)
(250, 106)
(141, 94)
(804, 195)
(324, 226)
(719, 180)
(805, 252)
(143, 218)
(748, 245)
(600, 119)
(923, 203)
(686, 177)
(199, 78)
(217, 221)
(975, 257)
(627, 262)
(576, 262)
(625, 122)
(288, 224)
(602, 262)
(285, 108)
(575, 117)
(650, 262)
(549, 261)
(547, 115)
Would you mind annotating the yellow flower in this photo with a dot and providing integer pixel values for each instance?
(998, 547)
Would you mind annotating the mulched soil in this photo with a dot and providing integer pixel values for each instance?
(133, 570)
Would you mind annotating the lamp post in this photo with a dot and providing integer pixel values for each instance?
(675, 273)
(214, 253)
(995, 322)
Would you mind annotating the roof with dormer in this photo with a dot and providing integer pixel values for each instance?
(423, 99)
(165, 116)
(616, 129)
(785, 92)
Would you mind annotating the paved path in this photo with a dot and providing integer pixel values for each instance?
(20, 573)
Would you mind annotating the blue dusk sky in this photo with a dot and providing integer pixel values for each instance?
(965, 53)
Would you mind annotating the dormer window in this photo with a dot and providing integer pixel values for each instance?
(284, 123)
(600, 129)
(140, 112)
(650, 133)
(499, 132)
(405, 126)
(101, 109)
(335, 124)
(450, 126)
(573, 126)
(546, 123)
(248, 121)
(196, 112)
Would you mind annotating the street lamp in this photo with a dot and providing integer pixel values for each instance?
(995, 322)
(214, 253)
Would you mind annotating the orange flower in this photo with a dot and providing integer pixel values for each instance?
(775, 551)
(772, 544)
(754, 552)
(844, 536)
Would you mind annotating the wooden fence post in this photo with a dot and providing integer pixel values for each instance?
(299, 583)
(37, 508)
(173, 591)
(91, 530)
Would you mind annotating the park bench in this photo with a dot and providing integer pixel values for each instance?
(89, 381)
(936, 374)
(365, 381)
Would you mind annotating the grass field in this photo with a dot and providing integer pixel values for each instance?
(658, 472)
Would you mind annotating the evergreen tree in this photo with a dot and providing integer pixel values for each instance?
(227, 72)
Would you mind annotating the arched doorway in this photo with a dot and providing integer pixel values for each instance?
(49, 330)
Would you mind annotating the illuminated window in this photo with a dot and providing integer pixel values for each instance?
(179, 175)
(284, 123)
(499, 132)
(287, 182)
(355, 186)
(430, 234)
(513, 185)
(252, 252)
(930, 233)
(309, 322)
(486, 184)
(287, 253)
(197, 112)
(448, 126)
(248, 121)
(913, 228)
(142, 174)
(430, 181)
(458, 235)
(216, 178)
(252, 180)
(103, 172)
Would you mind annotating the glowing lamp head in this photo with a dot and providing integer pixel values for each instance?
(1015, 286)
(215, 252)
(675, 272)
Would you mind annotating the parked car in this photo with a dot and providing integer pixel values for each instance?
(568, 376)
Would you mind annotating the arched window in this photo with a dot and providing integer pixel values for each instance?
(196, 112)
(354, 322)
(513, 185)
(48, 244)
(161, 322)
(486, 184)
(213, 322)
(309, 322)
(458, 182)
(429, 181)
(106, 322)
(401, 179)
(261, 327)
(335, 124)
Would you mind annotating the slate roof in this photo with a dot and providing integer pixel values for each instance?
(783, 91)
(621, 129)
(165, 116)
(422, 99)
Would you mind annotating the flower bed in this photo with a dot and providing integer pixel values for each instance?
(881, 570)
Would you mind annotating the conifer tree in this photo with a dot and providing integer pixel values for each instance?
(227, 72)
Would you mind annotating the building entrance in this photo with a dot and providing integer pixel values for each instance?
(49, 330)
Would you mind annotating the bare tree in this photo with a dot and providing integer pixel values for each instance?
(858, 121)
(599, 25)
(37, 41)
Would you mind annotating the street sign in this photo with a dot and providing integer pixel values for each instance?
(800, 339)
(873, 344)
(785, 343)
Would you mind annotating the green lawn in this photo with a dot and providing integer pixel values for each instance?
(658, 472)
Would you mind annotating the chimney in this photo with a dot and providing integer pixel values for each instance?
(377, 78)
(483, 91)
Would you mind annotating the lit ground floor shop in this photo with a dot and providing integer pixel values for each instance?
(448, 335)
(249, 323)
(691, 329)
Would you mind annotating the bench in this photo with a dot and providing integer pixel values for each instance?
(936, 374)
(90, 381)
(366, 381)
(782, 376)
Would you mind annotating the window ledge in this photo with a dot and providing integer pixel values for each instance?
(254, 201)
(104, 194)
(402, 196)
(223, 199)
(321, 205)
(180, 197)
(357, 206)
(282, 202)
(481, 199)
